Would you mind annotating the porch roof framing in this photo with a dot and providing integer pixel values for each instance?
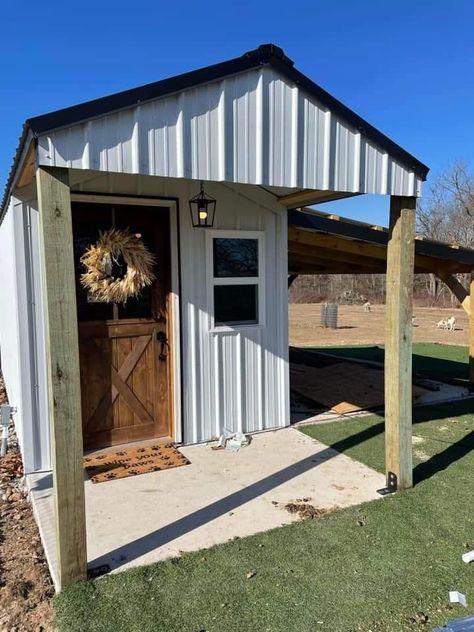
(319, 243)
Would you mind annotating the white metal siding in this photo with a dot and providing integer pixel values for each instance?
(9, 326)
(235, 379)
(253, 128)
(21, 333)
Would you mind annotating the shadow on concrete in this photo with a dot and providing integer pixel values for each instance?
(160, 537)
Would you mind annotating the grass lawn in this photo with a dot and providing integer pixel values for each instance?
(429, 359)
(380, 566)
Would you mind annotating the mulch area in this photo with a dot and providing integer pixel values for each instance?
(25, 586)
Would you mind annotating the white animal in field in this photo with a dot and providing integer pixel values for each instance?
(451, 323)
(367, 306)
(447, 323)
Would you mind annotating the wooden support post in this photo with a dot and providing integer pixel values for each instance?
(398, 343)
(63, 372)
(471, 330)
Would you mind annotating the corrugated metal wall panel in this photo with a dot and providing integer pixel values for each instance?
(236, 379)
(254, 128)
(21, 333)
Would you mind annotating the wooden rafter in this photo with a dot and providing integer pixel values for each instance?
(334, 246)
(311, 196)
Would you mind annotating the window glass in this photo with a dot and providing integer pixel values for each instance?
(235, 304)
(235, 257)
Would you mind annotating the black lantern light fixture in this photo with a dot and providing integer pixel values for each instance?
(203, 209)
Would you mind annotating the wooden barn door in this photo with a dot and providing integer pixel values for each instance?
(124, 349)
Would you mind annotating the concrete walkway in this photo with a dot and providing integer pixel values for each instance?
(221, 495)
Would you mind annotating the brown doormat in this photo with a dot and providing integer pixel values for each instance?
(132, 461)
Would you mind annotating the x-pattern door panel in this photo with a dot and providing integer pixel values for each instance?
(124, 361)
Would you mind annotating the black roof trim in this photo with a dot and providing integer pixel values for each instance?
(304, 219)
(264, 54)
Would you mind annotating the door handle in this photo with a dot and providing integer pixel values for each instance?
(162, 339)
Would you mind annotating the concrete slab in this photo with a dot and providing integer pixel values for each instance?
(221, 495)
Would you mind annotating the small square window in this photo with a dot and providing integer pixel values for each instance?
(235, 304)
(235, 257)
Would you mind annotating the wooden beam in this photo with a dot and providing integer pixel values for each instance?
(305, 265)
(63, 372)
(364, 249)
(291, 279)
(28, 170)
(457, 288)
(311, 196)
(330, 256)
(398, 343)
(471, 331)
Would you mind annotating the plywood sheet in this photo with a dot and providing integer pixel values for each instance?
(344, 387)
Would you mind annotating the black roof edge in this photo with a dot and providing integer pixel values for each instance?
(304, 219)
(354, 119)
(128, 98)
(11, 176)
(264, 54)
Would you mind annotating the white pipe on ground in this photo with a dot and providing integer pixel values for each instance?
(6, 412)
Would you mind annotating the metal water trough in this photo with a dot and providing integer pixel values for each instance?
(329, 313)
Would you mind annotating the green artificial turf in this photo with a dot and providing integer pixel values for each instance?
(381, 566)
(429, 359)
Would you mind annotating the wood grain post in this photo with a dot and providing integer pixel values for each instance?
(62, 350)
(398, 343)
(471, 329)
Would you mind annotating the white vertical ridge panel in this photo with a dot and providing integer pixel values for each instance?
(237, 378)
(21, 333)
(315, 134)
(259, 132)
(9, 321)
(252, 400)
(229, 380)
(255, 127)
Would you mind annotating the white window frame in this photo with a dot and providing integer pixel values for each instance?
(259, 280)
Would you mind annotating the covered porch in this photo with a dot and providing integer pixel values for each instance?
(265, 139)
(219, 496)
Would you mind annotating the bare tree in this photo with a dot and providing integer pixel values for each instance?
(448, 212)
(448, 215)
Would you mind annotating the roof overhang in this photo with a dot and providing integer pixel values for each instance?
(320, 243)
(254, 119)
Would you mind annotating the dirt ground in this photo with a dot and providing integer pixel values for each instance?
(25, 585)
(356, 327)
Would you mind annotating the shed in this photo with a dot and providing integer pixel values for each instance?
(206, 345)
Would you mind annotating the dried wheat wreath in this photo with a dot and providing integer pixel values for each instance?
(102, 259)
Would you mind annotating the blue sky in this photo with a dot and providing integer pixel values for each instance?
(404, 65)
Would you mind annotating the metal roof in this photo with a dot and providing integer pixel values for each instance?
(430, 256)
(254, 119)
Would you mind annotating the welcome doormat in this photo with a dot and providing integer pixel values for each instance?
(132, 461)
